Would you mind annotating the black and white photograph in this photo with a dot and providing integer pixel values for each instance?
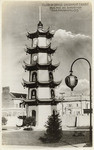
(47, 90)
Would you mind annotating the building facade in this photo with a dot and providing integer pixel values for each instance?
(71, 109)
(74, 110)
(76, 105)
(11, 106)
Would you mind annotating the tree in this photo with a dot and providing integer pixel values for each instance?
(54, 129)
(4, 121)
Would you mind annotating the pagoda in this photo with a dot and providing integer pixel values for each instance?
(41, 100)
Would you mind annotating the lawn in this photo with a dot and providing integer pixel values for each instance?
(31, 138)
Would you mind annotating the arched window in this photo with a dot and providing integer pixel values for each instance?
(33, 94)
(33, 113)
(52, 93)
(51, 76)
(34, 76)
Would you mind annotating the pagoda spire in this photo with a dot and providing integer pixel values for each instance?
(40, 14)
(40, 25)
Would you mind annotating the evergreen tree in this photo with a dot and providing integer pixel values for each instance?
(54, 129)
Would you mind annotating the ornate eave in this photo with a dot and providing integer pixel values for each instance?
(37, 66)
(36, 84)
(40, 33)
(40, 49)
(37, 101)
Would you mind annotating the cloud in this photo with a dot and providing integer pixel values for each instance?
(71, 42)
(81, 88)
(64, 36)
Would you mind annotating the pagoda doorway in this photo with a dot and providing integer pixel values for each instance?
(34, 116)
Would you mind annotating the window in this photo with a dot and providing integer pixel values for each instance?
(52, 93)
(35, 42)
(51, 76)
(35, 58)
(34, 76)
(70, 105)
(20, 105)
(33, 94)
(33, 113)
(78, 112)
(70, 111)
(87, 106)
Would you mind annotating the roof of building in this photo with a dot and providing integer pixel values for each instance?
(19, 95)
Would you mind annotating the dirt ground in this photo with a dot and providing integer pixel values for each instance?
(31, 138)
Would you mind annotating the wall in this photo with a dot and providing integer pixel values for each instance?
(43, 112)
(68, 120)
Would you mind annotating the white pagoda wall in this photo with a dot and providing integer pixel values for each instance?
(42, 42)
(44, 111)
(42, 58)
(43, 93)
(43, 75)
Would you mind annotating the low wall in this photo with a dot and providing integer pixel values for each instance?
(72, 120)
(13, 121)
(68, 120)
(83, 120)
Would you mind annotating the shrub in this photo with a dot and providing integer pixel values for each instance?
(4, 121)
(29, 121)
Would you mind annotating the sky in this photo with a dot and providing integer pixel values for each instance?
(73, 39)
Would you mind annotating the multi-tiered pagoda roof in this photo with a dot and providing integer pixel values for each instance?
(34, 66)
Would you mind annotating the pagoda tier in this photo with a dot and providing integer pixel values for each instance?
(40, 33)
(36, 84)
(37, 66)
(38, 49)
(41, 101)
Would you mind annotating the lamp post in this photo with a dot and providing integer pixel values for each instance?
(71, 81)
(62, 100)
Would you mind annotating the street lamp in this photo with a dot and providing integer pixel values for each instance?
(71, 81)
